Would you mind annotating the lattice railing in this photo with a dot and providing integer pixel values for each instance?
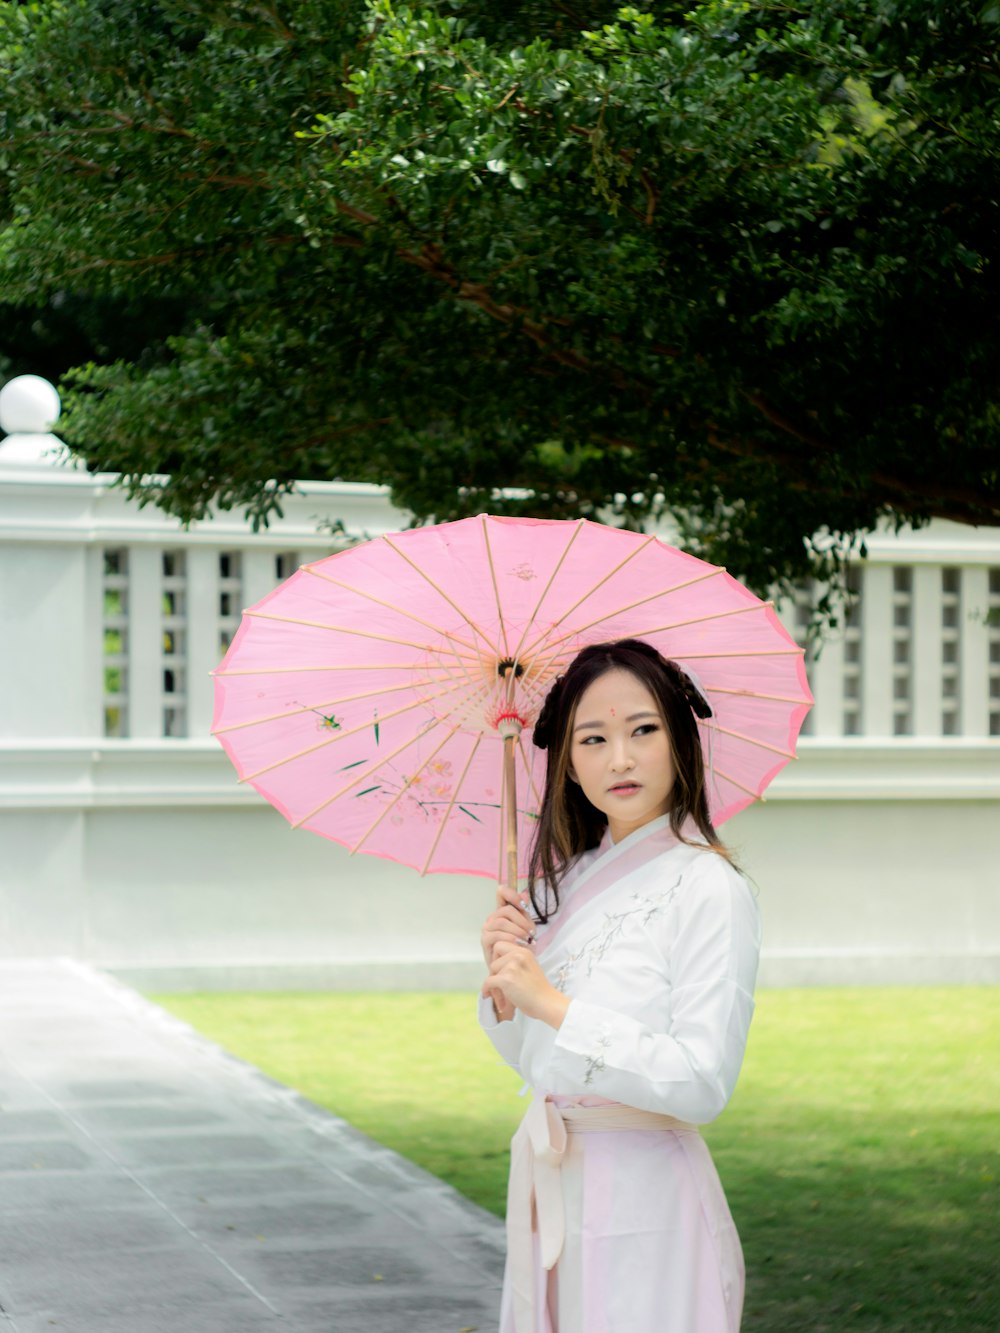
(917, 652)
(169, 615)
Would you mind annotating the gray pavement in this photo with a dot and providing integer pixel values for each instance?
(149, 1181)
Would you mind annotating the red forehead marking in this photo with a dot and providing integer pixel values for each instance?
(612, 712)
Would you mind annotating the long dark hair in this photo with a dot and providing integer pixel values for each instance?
(568, 824)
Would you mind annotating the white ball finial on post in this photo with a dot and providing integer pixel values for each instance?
(29, 405)
(29, 409)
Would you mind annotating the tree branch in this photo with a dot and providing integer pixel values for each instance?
(968, 508)
(900, 485)
(341, 431)
(172, 256)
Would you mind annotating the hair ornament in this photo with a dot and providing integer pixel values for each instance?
(542, 734)
(698, 703)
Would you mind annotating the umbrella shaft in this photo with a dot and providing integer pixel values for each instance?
(510, 786)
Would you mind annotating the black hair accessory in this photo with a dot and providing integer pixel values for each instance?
(542, 733)
(698, 703)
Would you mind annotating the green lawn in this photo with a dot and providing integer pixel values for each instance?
(860, 1153)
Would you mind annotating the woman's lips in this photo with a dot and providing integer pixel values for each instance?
(624, 788)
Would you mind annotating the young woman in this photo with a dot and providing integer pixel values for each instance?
(623, 998)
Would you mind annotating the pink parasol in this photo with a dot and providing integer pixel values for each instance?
(384, 696)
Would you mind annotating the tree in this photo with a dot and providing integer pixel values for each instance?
(739, 262)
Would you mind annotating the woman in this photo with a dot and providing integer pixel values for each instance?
(624, 1000)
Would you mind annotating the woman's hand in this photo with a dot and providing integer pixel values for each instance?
(509, 923)
(516, 980)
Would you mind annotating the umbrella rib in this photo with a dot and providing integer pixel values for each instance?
(751, 652)
(383, 759)
(655, 596)
(479, 691)
(528, 769)
(389, 606)
(754, 694)
(403, 791)
(749, 790)
(441, 593)
(451, 805)
(548, 663)
(545, 591)
(660, 629)
(326, 703)
(636, 550)
(496, 589)
(718, 615)
(339, 629)
(340, 736)
(750, 740)
(339, 666)
(537, 680)
(540, 665)
(461, 665)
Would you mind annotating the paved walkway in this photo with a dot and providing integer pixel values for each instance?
(149, 1182)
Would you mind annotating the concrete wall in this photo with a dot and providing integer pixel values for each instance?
(898, 885)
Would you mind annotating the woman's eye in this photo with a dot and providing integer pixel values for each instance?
(588, 739)
(645, 729)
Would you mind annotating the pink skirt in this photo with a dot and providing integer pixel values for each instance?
(650, 1245)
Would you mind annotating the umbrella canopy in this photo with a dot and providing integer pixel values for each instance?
(368, 696)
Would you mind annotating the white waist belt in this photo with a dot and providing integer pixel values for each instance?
(535, 1188)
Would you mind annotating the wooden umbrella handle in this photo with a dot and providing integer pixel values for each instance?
(510, 787)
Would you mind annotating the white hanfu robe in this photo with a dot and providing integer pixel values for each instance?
(656, 943)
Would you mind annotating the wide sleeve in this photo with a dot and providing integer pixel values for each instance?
(690, 1070)
(506, 1037)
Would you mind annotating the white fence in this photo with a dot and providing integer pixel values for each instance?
(919, 652)
(125, 839)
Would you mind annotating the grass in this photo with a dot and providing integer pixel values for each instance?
(859, 1154)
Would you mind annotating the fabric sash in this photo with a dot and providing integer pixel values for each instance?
(534, 1193)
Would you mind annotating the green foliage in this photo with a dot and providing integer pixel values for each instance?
(862, 1176)
(737, 261)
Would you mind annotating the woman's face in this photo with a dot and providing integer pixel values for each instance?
(620, 752)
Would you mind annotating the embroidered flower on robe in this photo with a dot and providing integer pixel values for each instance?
(647, 907)
(595, 1057)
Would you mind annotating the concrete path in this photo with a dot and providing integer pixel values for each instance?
(150, 1183)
